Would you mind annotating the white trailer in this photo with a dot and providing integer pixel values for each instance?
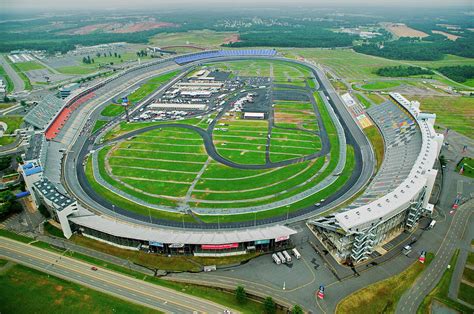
(287, 256)
(281, 257)
(276, 259)
(296, 253)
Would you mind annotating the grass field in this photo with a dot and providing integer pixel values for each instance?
(282, 72)
(40, 293)
(456, 113)
(98, 124)
(468, 167)
(376, 98)
(366, 103)
(354, 66)
(383, 296)
(376, 139)
(29, 65)
(112, 110)
(243, 142)
(295, 114)
(150, 86)
(380, 85)
(13, 123)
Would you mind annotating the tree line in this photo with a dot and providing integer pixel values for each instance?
(460, 73)
(402, 71)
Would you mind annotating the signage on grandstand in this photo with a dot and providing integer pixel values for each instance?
(176, 245)
(282, 238)
(219, 246)
(262, 242)
(153, 243)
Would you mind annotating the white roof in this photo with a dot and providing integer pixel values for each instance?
(254, 114)
(133, 231)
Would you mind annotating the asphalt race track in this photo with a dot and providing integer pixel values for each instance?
(364, 165)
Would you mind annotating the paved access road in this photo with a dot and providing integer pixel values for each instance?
(18, 84)
(124, 287)
(412, 299)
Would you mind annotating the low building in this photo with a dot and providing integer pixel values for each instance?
(177, 106)
(254, 115)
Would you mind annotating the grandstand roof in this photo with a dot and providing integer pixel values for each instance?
(224, 53)
(44, 112)
(49, 191)
(128, 230)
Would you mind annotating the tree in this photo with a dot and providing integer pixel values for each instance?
(442, 160)
(98, 55)
(240, 295)
(23, 103)
(269, 306)
(297, 309)
(115, 54)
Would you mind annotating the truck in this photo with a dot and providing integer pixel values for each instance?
(281, 257)
(276, 259)
(432, 224)
(287, 256)
(296, 253)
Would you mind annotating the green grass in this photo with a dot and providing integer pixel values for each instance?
(3, 262)
(13, 123)
(470, 257)
(383, 296)
(440, 292)
(377, 99)
(77, 70)
(112, 110)
(376, 139)
(52, 230)
(127, 204)
(282, 72)
(468, 167)
(14, 236)
(466, 293)
(468, 274)
(8, 81)
(150, 86)
(454, 112)
(380, 85)
(29, 65)
(363, 101)
(98, 124)
(40, 293)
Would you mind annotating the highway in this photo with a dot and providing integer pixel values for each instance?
(124, 287)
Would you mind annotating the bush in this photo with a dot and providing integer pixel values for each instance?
(297, 309)
(240, 295)
(269, 306)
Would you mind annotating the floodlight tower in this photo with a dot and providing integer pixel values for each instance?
(125, 106)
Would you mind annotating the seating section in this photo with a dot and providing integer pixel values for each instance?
(64, 115)
(224, 53)
(403, 144)
(44, 112)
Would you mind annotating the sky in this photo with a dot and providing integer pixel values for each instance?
(168, 4)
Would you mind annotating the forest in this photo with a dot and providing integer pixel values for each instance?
(458, 73)
(402, 71)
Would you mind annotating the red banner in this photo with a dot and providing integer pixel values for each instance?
(219, 246)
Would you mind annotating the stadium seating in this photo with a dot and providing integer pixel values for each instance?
(224, 53)
(403, 144)
(42, 114)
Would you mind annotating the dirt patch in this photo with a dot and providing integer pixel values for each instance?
(234, 38)
(401, 30)
(447, 35)
(59, 288)
(140, 27)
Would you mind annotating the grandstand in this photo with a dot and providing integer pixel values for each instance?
(398, 195)
(224, 53)
(45, 112)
